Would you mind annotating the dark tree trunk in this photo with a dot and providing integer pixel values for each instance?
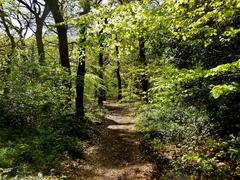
(62, 40)
(62, 33)
(80, 87)
(39, 40)
(63, 46)
(101, 90)
(81, 71)
(119, 79)
(143, 61)
(80, 78)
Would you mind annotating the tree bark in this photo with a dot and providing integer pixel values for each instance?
(80, 78)
(63, 47)
(39, 40)
(80, 87)
(6, 89)
(101, 90)
(81, 69)
(143, 61)
(62, 33)
(39, 35)
(119, 79)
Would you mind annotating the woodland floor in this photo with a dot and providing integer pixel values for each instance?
(115, 153)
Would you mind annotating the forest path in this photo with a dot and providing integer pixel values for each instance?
(116, 154)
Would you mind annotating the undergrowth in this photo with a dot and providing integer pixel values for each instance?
(29, 148)
(180, 142)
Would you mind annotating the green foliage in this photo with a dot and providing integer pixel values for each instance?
(24, 153)
(215, 158)
(36, 128)
(176, 124)
(224, 68)
(221, 90)
(194, 94)
(181, 138)
(192, 64)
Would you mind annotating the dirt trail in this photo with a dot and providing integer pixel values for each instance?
(116, 154)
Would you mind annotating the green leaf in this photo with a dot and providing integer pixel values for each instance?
(221, 90)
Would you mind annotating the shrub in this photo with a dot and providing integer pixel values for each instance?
(174, 124)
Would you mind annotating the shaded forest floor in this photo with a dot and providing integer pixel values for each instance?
(115, 152)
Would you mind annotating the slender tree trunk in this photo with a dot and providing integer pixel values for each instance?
(101, 90)
(80, 87)
(119, 79)
(31, 6)
(6, 89)
(39, 40)
(81, 70)
(143, 60)
(80, 78)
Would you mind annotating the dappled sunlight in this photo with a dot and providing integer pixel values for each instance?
(119, 90)
(116, 153)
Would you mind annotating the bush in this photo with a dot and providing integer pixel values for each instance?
(25, 149)
(179, 138)
(177, 124)
(38, 153)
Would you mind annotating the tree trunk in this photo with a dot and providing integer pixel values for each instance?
(101, 90)
(39, 40)
(6, 89)
(63, 46)
(62, 40)
(62, 33)
(31, 6)
(143, 61)
(80, 87)
(80, 78)
(119, 79)
(81, 70)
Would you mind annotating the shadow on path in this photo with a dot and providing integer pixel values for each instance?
(116, 154)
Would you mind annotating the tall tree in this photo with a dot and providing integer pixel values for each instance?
(35, 7)
(61, 32)
(81, 64)
(101, 90)
(143, 61)
(13, 45)
(119, 79)
(86, 6)
(81, 75)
